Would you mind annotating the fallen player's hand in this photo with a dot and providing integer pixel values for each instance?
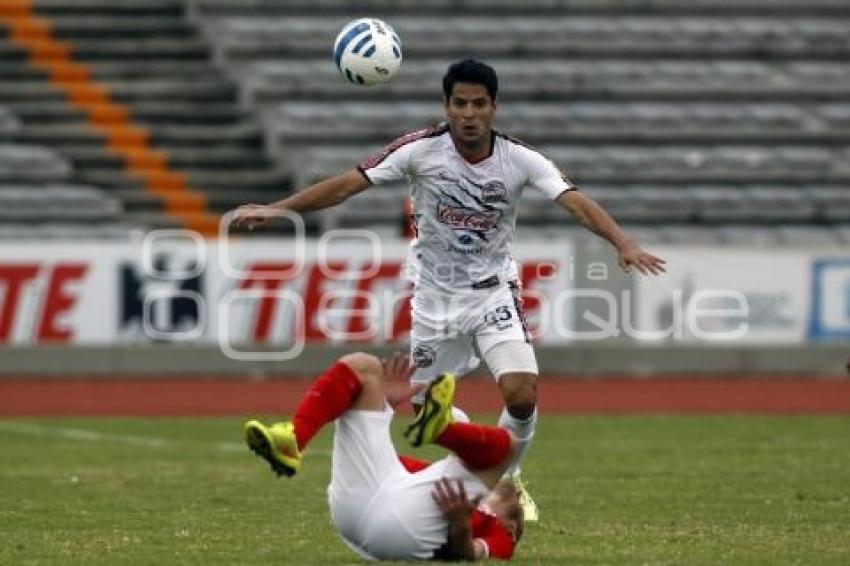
(397, 372)
(632, 255)
(453, 501)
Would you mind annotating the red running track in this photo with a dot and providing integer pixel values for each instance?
(21, 397)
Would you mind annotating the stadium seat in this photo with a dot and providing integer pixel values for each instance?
(61, 203)
(10, 124)
(32, 163)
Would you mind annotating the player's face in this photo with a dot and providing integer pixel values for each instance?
(470, 111)
(503, 501)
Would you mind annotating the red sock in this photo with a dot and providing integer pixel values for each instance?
(327, 398)
(480, 447)
(413, 465)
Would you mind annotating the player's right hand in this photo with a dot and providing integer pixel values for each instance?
(251, 215)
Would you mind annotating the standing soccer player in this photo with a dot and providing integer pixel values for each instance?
(465, 180)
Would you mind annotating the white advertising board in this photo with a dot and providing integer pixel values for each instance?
(267, 293)
(725, 295)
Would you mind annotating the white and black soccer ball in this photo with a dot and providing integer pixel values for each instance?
(367, 51)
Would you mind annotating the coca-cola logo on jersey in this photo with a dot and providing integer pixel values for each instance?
(466, 218)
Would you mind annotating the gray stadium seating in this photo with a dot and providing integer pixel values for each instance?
(683, 117)
(265, 80)
(244, 37)
(550, 122)
(57, 202)
(236, 7)
(10, 124)
(32, 163)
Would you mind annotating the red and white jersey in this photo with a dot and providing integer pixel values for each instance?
(486, 528)
(464, 213)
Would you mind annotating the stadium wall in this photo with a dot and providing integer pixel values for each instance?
(174, 304)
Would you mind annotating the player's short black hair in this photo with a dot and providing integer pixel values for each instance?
(471, 71)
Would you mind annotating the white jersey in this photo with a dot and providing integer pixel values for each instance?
(464, 213)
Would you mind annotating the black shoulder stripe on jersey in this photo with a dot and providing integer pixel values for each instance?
(378, 158)
(517, 141)
(520, 142)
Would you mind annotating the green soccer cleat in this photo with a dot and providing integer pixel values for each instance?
(436, 412)
(275, 444)
(529, 507)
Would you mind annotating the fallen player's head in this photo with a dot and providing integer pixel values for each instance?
(503, 502)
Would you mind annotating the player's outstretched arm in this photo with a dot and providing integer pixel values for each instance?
(594, 218)
(324, 194)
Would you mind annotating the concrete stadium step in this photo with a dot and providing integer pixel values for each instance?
(128, 50)
(106, 70)
(92, 157)
(246, 134)
(142, 112)
(211, 8)
(156, 220)
(59, 134)
(126, 27)
(224, 200)
(546, 78)
(220, 201)
(176, 112)
(9, 52)
(160, 220)
(227, 179)
(210, 180)
(245, 38)
(110, 7)
(172, 89)
(46, 112)
(124, 50)
(29, 90)
(663, 164)
(10, 123)
(20, 71)
(297, 123)
(178, 158)
(138, 201)
(109, 179)
(214, 157)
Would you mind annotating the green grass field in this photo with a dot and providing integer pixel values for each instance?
(612, 490)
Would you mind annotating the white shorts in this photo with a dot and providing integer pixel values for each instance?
(444, 327)
(381, 510)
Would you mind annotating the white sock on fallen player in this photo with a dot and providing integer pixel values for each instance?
(523, 430)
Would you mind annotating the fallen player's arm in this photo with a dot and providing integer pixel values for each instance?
(456, 507)
(460, 544)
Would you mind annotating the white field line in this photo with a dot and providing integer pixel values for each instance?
(83, 435)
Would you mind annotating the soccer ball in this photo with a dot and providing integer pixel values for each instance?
(367, 51)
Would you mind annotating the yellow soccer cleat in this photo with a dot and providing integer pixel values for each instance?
(529, 507)
(275, 444)
(436, 412)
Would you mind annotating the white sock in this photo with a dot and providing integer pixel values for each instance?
(459, 415)
(524, 432)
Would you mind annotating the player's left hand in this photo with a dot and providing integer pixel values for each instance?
(452, 500)
(633, 256)
(397, 372)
